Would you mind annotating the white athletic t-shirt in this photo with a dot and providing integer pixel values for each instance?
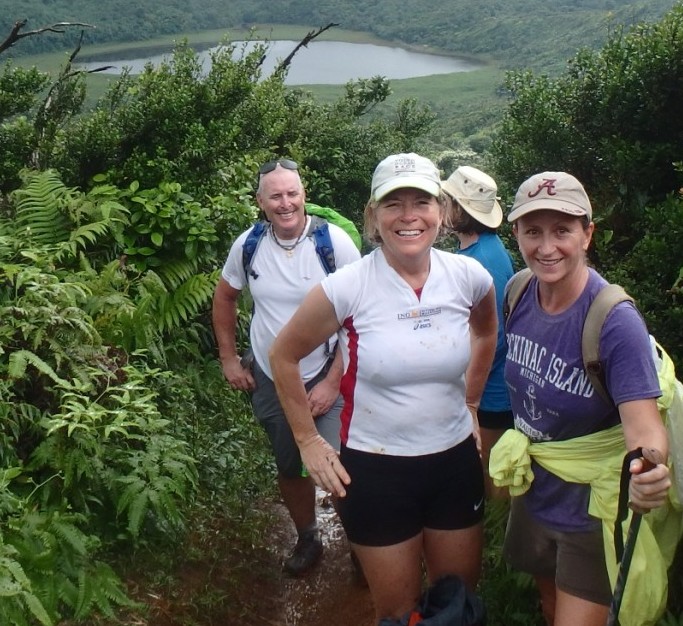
(282, 282)
(405, 358)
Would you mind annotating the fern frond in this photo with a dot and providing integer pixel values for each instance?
(176, 272)
(36, 608)
(99, 588)
(19, 361)
(66, 530)
(39, 213)
(185, 302)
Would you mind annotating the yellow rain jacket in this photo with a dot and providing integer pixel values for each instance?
(596, 460)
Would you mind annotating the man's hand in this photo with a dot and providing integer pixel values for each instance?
(237, 376)
(322, 397)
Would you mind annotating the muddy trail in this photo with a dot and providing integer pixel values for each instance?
(223, 583)
(329, 595)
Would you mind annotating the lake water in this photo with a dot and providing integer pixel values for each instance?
(326, 62)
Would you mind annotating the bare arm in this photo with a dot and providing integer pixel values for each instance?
(643, 427)
(313, 322)
(224, 314)
(483, 339)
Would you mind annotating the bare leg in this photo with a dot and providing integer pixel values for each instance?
(489, 437)
(570, 610)
(454, 552)
(546, 587)
(298, 495)
(394, 575)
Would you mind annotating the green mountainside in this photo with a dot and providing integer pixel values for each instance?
(530, 33)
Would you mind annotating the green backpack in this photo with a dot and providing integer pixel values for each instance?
(334, 217)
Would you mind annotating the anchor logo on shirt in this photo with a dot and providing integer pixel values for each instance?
(530, 403)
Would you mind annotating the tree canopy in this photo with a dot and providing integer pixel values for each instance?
(524, 33)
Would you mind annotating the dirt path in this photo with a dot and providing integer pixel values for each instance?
(329, 595)
(222, 581)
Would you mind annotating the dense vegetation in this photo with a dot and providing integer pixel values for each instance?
(536, 33)
(113, 224)
(116, 424)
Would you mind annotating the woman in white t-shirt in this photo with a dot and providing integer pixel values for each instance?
(417, 331)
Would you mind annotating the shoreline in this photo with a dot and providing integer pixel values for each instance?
(202, 40)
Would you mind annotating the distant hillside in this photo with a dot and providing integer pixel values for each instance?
(530, 33)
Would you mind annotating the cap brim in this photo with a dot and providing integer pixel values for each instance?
(407, 182)
(548, 204)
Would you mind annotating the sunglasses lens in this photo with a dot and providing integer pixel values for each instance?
(288, 164)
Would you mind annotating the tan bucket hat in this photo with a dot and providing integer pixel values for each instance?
(476, 192)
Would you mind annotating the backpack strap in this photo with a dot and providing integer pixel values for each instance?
(319, 229)
(514, 289)
(608, 297)
(251, 243)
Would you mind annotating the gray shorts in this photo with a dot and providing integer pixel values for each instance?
(576, 561)
(269, 413)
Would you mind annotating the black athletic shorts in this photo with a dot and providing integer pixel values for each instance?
(499, 420)
(392, 498)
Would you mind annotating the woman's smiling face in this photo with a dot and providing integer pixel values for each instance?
(408, 221)
(553, 243)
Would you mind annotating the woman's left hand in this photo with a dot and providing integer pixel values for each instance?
(648, 488)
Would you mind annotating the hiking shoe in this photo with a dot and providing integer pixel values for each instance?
(306, 554)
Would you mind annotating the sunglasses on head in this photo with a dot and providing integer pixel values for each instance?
(269, 166)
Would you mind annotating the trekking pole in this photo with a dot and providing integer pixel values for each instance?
(650, 459)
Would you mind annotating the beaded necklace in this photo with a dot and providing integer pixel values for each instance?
(289, 248)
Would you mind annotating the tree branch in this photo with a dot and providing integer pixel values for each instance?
(15, 35)
(283, 65)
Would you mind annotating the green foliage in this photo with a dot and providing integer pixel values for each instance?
(510, 597)
(83, 437)
(612, 120)
(525, 32)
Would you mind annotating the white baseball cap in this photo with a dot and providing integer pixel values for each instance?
(405, 170)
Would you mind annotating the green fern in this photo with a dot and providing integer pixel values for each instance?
(40, 208)
(20, 360)
(186, 302)
(178, 271)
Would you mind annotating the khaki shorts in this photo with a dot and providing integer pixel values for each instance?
(576, 561)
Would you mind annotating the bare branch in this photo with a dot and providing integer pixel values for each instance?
(15, 35)
(283, 65)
